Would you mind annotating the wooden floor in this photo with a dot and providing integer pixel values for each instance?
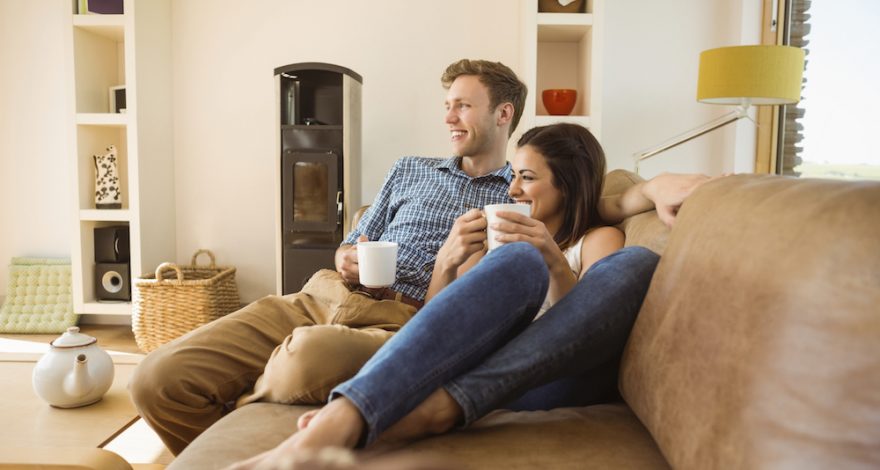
(138, 444)
(110, 337)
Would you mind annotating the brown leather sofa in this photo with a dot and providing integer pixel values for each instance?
(758, 346)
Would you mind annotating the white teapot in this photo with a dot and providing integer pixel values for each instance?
(75, 372)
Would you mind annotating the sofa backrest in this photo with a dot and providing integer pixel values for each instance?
(645, 229)
(758, 344)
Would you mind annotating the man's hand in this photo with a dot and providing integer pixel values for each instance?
(668, 191)
(347, 262)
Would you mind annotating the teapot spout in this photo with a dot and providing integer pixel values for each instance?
(78, 383)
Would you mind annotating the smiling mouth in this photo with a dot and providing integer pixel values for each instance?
(456, 134)
(518, 201)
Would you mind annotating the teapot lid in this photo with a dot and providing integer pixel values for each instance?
(72, 338)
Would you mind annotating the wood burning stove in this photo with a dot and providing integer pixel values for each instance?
(319, 127)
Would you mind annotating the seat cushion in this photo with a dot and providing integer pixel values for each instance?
(601, 436)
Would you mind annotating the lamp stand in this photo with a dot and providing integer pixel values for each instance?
(733, 116)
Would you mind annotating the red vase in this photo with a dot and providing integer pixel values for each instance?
(559, 102)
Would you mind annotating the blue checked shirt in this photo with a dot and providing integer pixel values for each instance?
(416, 207)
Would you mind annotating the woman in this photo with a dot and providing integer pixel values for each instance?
(475, 346)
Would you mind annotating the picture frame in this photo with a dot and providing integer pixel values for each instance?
(117, 99)
(100, 7)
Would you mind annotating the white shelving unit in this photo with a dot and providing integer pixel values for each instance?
(132, 49)
(563, 50)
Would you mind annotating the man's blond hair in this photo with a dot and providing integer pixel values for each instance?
(503, 84)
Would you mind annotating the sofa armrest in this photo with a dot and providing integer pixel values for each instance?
(757, 343)
(357, 216)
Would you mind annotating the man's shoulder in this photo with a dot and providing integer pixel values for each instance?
(421, 167)
(415, 163)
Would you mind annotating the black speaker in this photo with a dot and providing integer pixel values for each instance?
(111, 244)
(112, 281)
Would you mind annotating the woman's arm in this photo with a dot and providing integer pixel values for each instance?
(562, 280)
(516, 227)
(598, 243)
(664, 192)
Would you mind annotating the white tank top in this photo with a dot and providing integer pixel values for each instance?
(573, 256)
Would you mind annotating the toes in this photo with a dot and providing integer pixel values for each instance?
(305, 419)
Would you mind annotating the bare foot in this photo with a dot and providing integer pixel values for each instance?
(328, 458)
(436, 415)
(337, 425)
(306, 418)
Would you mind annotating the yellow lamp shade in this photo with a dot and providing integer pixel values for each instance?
(751, 75)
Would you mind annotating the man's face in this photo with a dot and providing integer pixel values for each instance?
(472, 121)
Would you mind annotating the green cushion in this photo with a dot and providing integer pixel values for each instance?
(39, 297)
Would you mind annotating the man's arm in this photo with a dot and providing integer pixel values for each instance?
(664, 192)
(370, 225)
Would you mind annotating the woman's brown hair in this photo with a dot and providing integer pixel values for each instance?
(577, 162)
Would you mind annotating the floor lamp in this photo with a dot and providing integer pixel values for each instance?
(742, 76)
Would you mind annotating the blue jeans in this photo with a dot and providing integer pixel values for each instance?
(478, 341)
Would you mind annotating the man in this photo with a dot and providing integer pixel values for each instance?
(294, 349)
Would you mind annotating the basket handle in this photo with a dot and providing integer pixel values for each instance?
(207, 252)
(166, 266)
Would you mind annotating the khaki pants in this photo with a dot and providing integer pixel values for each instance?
(292, 349)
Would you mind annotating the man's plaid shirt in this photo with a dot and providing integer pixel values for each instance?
(416, 207)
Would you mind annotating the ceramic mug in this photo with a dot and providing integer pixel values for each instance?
(491, 217)
(377, 263)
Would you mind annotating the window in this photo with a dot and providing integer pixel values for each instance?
(830, 132)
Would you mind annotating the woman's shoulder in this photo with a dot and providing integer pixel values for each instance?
(602, 233)
(598, 243)
(593, 236)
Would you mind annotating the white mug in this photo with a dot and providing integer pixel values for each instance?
(491, 218)
(377, 263)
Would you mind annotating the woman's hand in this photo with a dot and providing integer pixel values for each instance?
(668, 191)
(515, 227)
(463, 247)
(468, 236)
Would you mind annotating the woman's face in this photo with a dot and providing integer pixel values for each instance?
(533, 183)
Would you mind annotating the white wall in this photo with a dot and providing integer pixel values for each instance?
(225, 101)
(224, 107)
(651, 60)
(35, 212)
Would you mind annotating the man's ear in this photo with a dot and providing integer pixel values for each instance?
(505, 113)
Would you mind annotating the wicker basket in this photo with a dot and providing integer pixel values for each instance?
(164, 309)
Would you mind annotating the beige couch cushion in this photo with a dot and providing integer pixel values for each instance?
(758, 345)
(644, 229)
(601, 436)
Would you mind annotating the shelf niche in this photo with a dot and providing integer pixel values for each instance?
(564, 61)
(99, 61)
(94, 140)
(87, 254)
